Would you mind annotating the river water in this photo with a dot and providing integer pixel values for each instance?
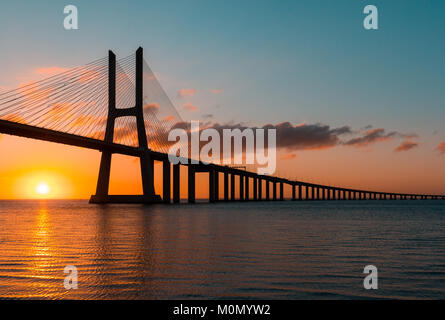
(261, 250)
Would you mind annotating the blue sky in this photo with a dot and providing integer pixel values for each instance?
(275, 60)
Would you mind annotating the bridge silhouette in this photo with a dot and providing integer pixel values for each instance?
(119, 107)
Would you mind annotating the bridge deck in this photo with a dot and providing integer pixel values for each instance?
(27, 131)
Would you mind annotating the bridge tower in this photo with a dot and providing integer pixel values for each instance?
(146, 161)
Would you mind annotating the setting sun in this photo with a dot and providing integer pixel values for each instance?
(42, 188)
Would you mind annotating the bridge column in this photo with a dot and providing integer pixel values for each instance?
(232, 186)
(300, 192)
(191, 184)
(176, 185)
(274, 190)
(281, 191)
(103, 182)
(293, 192)
(241, 187)
(267, 190)
(328, 193)
(216, 185)
(260, 189)
(166, 181)
(246, 195)
(307, 192)
(255, 188)
(312, 193)
(226, 186)
(211, 185)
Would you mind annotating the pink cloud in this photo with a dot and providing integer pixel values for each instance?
(186, 93)
(217, 91)
(441, 148)
(153, 107)
(169, 118)
(189, 107)
(370, 137)
(406, 145)
(288, 156)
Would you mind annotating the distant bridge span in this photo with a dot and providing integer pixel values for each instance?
(45, 93)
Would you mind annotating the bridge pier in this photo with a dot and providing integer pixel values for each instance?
(176, 183)
(232, 186)
(191, 184)
(226, 186)
(255, 188)
(260, 189)
(166, 181)
(267, 189)
(216, 185)
(211, 185)
(274, 190)
(246, 195)
(241, 187)
(281, 191)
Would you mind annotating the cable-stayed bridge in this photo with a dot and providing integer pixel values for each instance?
(119, 107)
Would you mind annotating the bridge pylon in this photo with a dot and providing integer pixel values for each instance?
(146, 162)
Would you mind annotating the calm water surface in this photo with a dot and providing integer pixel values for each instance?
(286, 250)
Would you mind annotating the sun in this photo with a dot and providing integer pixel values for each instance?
(42, 188)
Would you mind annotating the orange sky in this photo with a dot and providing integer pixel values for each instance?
(71, 172)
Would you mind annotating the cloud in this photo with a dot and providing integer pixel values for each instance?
(189, 107)
(441, 148)
(406, 145)
(50, 71)
(186, 93)
(207, 116)
(288, 136)
(217, 91)
(370, 137)
(169, 118)
(307, 136)
(151, 107)
(288, 156)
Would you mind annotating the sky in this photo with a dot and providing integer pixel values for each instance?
(353, 107)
